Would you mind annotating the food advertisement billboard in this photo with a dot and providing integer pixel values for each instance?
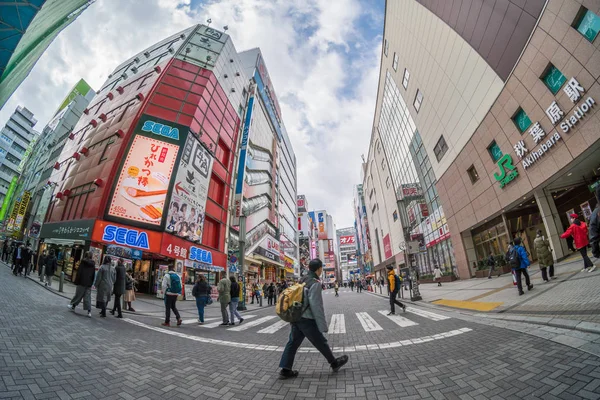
(185, 217)
(321, 226)
(145, 181)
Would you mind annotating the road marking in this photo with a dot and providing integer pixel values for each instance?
(427, 314)
(348, 349)
(275, 327)
(368, 323)
(195, 321)
(469, 305)
(338, 324)
(400, 321)
(219, 322)
(243, 327)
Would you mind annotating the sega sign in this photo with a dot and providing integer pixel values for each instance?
(200, 255)
(126, 237)
(161, 129)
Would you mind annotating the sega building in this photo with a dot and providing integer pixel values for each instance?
(146, 174)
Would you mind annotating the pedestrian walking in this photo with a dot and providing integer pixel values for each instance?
(171, 288)
(84, 281)
(312, 325)
(519, 261)
(233, 304)
(544, 254)
(129, 296)
(201, 292)
(104, 282)
(26, 259)
(394, 284)
(491, 262)
(579, 231)
(271, 294)
(50, 267)
(437, 274)
(5, 248)
(336, 288)
(595, 231)
(224, 289)
(352, 285)
(17, 257)
(42, 265)
(119, 288)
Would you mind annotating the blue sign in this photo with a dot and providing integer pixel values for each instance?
(233, 269)
(124, 236)
(201, 255)
(160, 129)
(136, 254)
(242, 162)
(264, 95)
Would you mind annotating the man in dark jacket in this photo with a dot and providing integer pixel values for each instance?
(51, 266)
(312, 325)
(119, 288)
(84, 281)
(595, 232)
(26, 260)
(42, 265)
(17, 256)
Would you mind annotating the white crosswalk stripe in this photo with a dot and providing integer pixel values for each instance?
(195, 321)
(219, 322)
(337, 324)
(368, 323)
(275, 327)
(248, 325)
(427, 314)
(400, 321)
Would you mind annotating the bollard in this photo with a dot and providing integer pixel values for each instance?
(62, 281)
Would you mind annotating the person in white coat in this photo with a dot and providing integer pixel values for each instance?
(437, 274)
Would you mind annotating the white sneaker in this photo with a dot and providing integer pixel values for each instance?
(70, 307)
(584, 269)
(592, 269)
(89, 314)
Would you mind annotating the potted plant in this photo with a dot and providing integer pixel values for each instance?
(482, 269)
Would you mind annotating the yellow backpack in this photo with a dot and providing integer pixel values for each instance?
(290, 304)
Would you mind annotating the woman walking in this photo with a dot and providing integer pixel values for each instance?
(544, 254)
(105, 280)
(271, 293)
(437, 274)
(233, 312)
(201, 292)
(84, 280)
(129, 296)
(579, 231)
(119, 288)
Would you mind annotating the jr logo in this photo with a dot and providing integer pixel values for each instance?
(508, 171)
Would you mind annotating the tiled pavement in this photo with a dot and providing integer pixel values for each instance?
(48, 352)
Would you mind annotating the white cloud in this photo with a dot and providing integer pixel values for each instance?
(327, 94)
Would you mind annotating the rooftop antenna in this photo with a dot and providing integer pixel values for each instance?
(209, 21)
(225, 28)
(363, 158)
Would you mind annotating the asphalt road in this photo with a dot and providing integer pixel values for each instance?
(48, 352)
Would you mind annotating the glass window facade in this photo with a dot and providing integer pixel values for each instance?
(521, 120)
(440, 148)
(495, 151)
(553, 79)
(405, 78)
(395, 63)
(418, 100)
(589, 25)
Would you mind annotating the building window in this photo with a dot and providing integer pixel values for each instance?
(473, 174)
(395, 63)
(387, 182)
(440, 148)
(553, 78)
(386, 46)
(587, 23)
(405, 78)
(521, 120)
(494, 151)
(383, 165)
(418, 100)
(395, 215)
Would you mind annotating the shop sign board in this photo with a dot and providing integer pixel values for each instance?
(301, 200)
(350, 239)
(186, 213)
(593, 186)
(239, 186)
(175, 247)
(145, 183)
(22, 210)
(321, 225)
(75, 230)
(331, 250)
(113, 233)
(268, 254)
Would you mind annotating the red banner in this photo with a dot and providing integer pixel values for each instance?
(387, 246)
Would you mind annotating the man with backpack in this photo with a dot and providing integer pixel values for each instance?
(518, 261)
(394, 284)
(310, 324)
(171, 287)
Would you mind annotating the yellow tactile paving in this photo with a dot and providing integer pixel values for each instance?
(469, 305)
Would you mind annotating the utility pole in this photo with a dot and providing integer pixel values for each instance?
(242, 259)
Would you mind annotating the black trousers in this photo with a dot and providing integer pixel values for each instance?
(170, 302)
(393, 301)
(117, 304)
(546, 270)
(518, 273)
(305, 328)
(587, 263)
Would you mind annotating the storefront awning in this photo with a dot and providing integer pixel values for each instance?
(266, 260)
(64, 242)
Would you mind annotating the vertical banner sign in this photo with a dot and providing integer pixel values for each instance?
(22, 210)
(321, 226)
(8, 198)
(145, 178)
(13, 215)
(188, 200)
(239, 184)
(331, 252)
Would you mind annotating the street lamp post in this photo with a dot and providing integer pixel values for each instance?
(242, 260)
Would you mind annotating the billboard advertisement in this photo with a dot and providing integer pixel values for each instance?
(185, 216)
(13, 215)
(239, 185)
(267, 94)
(331, 250)
(349, 239)
(80, 88)
(8, 198)
(144, 182)
(387, 246)
(301, 201)
(321, 225)
(304, 244)
(22, 210)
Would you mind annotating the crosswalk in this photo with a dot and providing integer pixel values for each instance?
(338, 323)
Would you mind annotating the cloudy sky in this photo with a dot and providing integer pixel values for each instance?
(322, 55)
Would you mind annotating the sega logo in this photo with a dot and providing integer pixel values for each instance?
(201, 255)
(124, 236)
(160, 129)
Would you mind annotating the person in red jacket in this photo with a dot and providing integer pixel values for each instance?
(579, 231)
